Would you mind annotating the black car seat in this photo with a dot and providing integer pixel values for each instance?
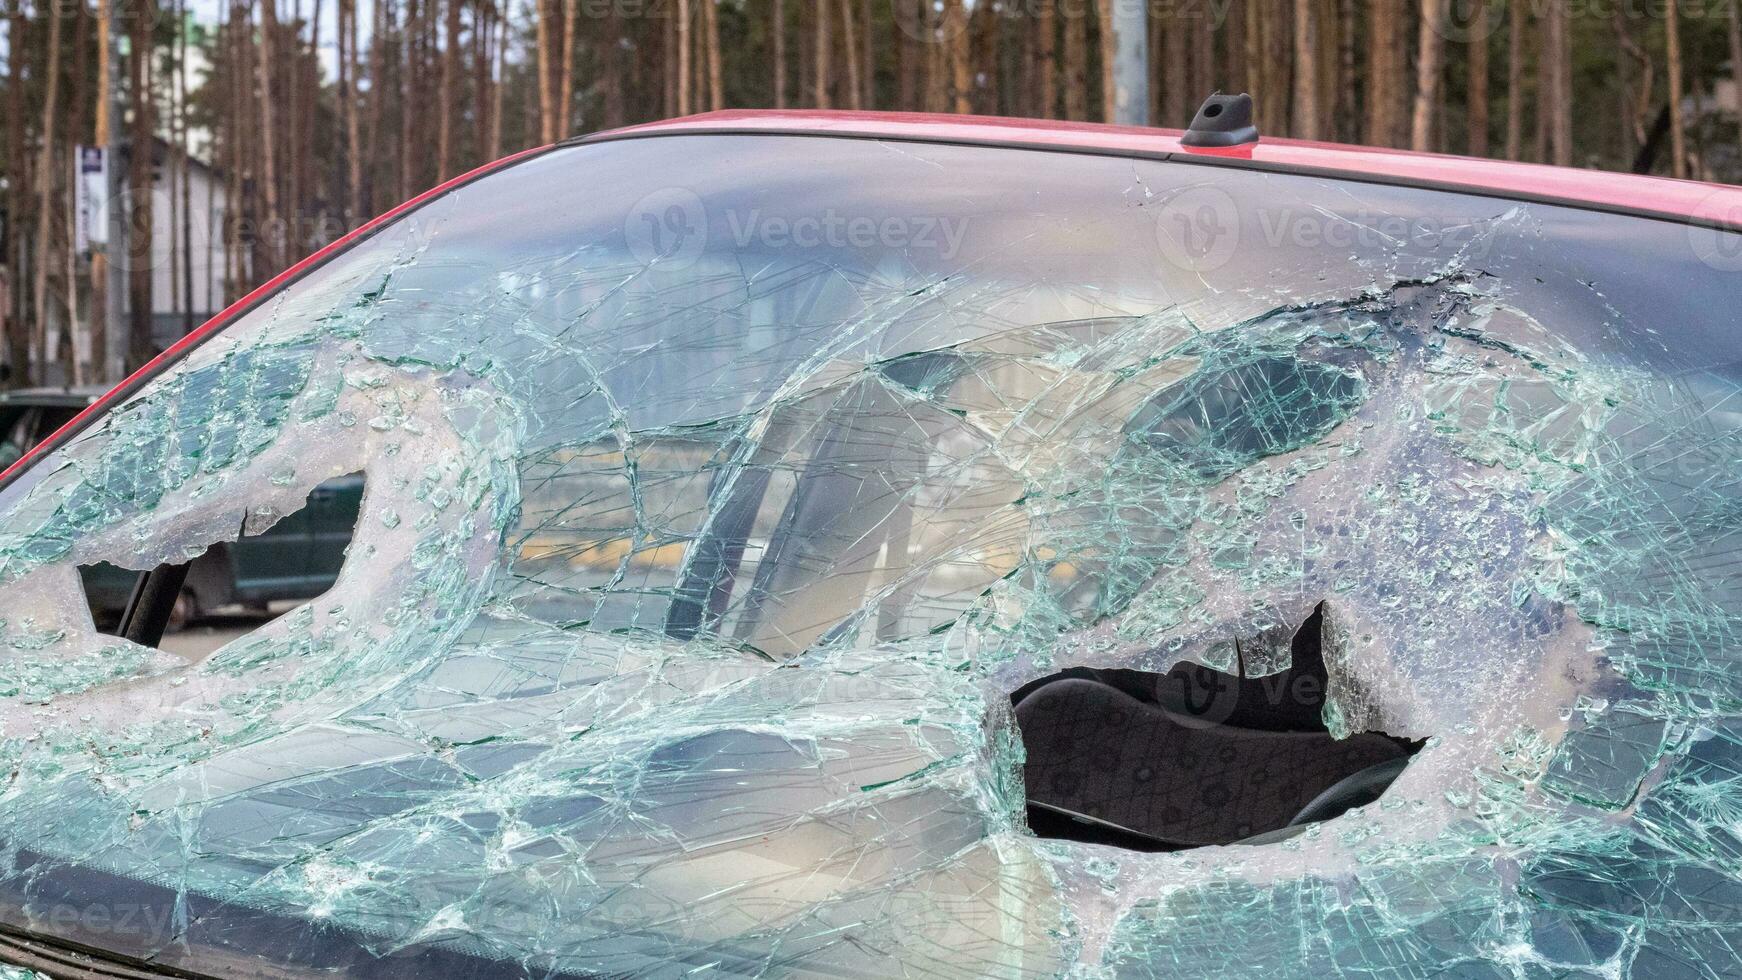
(1098, 755)
(1196, 755)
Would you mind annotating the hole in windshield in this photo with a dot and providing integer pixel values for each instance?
(1195, 756)
(278, 563)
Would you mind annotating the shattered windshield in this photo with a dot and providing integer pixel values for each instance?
(771, 548)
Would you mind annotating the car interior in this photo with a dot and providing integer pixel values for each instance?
(1195, 756)
(265, 572)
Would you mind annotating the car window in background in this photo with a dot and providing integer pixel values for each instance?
(30, 416)
(713, 495)
(17, 427)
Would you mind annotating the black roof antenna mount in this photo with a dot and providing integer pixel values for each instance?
(1223, 120)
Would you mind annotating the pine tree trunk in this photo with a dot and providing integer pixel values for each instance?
(46, 209)
(1430, 52)
(1046, 60)
(376, 109)
(805, 32)
(1204, 79)
(1016, 67)
(98, 315)
(410, 95)
(1735, 37)
(1076, 66)
(1257, 70)
(1673, 65)
(290, 129)
(546, 97)
(716, 81)
(1517, 17)
(345, 109)
(1628, 138)
(11, 303)
(74, 345)
(1328, 30)
(956, 30)
(850, 43)
(479, 52)
(1278, 69)
(449, 101)
(937, 70)
(698, 56)
(496, 86)
(79, 105)
(353, 132)
(822, 48)
(668, 63)
(1386, 64)
(777, 25)
(1555, 92)
(1306, 54)
(565, 102)
(227, 79)
(681, 51)
(284, 63)
(268, 127)
(1104, 34)
(183, 155)
(1343, 123)
(983, 61)
(139, 188)
(173, 165)
(237, 98)
(1476, 108)
(868, 54)
(1152, 84)
(611, 68)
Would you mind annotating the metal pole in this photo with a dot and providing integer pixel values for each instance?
(1131, 62)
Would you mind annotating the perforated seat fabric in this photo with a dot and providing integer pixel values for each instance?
(1098, 752)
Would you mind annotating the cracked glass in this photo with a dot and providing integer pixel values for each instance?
(719, 492)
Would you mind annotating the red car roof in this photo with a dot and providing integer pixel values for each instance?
(1702, 203)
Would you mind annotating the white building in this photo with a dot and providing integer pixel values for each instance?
(187, 244)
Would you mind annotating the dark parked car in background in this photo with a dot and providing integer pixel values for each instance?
(30, 415)
(296, 558)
